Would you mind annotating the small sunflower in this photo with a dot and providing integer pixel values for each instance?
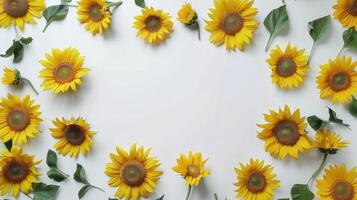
(63, 70)
(19, 119)
(154, 26)
(338, 80)
(191, 168)
(346, 13)
(256, 181)
(19, 12)
(329, 142)
(134, 173)
(14, 77)
(284, 133)
(17, 172)
(73, 135)
(288, 67)
(232, 23)
(186, 14)
(338, 183)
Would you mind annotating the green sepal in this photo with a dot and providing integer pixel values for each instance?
(8, 145)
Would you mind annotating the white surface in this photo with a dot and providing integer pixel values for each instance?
(183, 95)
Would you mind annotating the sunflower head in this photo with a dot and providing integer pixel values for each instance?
(17, 172)
(256, 180)
(186, 14)
(11, 77)
(338, 183)
(73, 135)
(63, 70)
(19, 12)
(134, 173)
(284, 133)
(154, 26)
(232, 23)
(191, 168)
(329, 142)
(346, 12)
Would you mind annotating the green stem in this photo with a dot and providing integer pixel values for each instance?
(115, 4)
(64, 174)
(283, 1)
(198, 30)
(28, 196)
(30, 84)
(318, 171)
(18, 36)
(269, 42)
(75, 6)
(311, 52)
(215, 196)
(188, 192)
(98, 188)
(339, 53)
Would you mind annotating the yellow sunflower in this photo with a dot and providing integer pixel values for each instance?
(134, 173)
(338, 183)
(63, 70)
(95, 14)
(191, 168)
(186, 14)
(289, 67)
(232, 23)
(284, 133)
(346, 13)
(329, 142)
(73, 135)
(338, 80)
(19, 12)
(19, 119)
(154, 26)
(10, 76)
(256, 181)
(17, 172)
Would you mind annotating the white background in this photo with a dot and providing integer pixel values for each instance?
(183, 95)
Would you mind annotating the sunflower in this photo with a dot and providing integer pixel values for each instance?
(346, 13)
(63, 70)
(17, 172)
(338, 183)
(256, 181)
(338, 80)
(154, 26)
(289, 67)
(329, 142)
(19, 119)
(11, 76)
(186, 14)
(232, 23)
(284, 133)
(73, 135)
(192, 168)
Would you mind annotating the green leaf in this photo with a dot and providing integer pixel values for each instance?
(352, 107)
(350, 39)
(112, 198)
(315, 122)
(9, 51)
(84, 190)
(161, 198)
(18, 51)
(51, 159)
(276, 22)
(318, 27)
(55, 13)
(8, 145)
(140, 3)
(80, 175)
(301, 192)
(333, 118)
(42, 191)
(56, 175)
(26, 41)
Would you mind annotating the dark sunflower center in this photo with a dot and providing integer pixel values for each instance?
(18, 119)
(74, 134)
(153, 23)
(16, 8)
(340, 81)
(342, 190)
(64, 73)
(232, 23)
(133, 173)
(256, 183)
(287, 133)
(286, 67)
(352, 7)
(193, 171)
(95, 12)
(16, 171)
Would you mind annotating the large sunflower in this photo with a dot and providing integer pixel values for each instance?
(338, 183)
(19, 12)
(338, 80)
(232, 23)
(284, 133)
(329, 142)
(288, 67)
(192, 168)
(154, 26)
(63, 70)
(256, 181)
(73, 135)
(346, 13)
(95, 14)
(19, 119)
(17, 172)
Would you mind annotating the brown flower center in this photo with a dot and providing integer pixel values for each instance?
(232, 23)
(18, 119)
(286, 67)
(193, 171)
(64, 73)
(95, 12)
(74, 134)
(15, 171)
(133, 173)
(16, 8)
(256, 183)
(153, 23)
(352, 7)
(287, 132)
(339, 81)
(342, 190)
